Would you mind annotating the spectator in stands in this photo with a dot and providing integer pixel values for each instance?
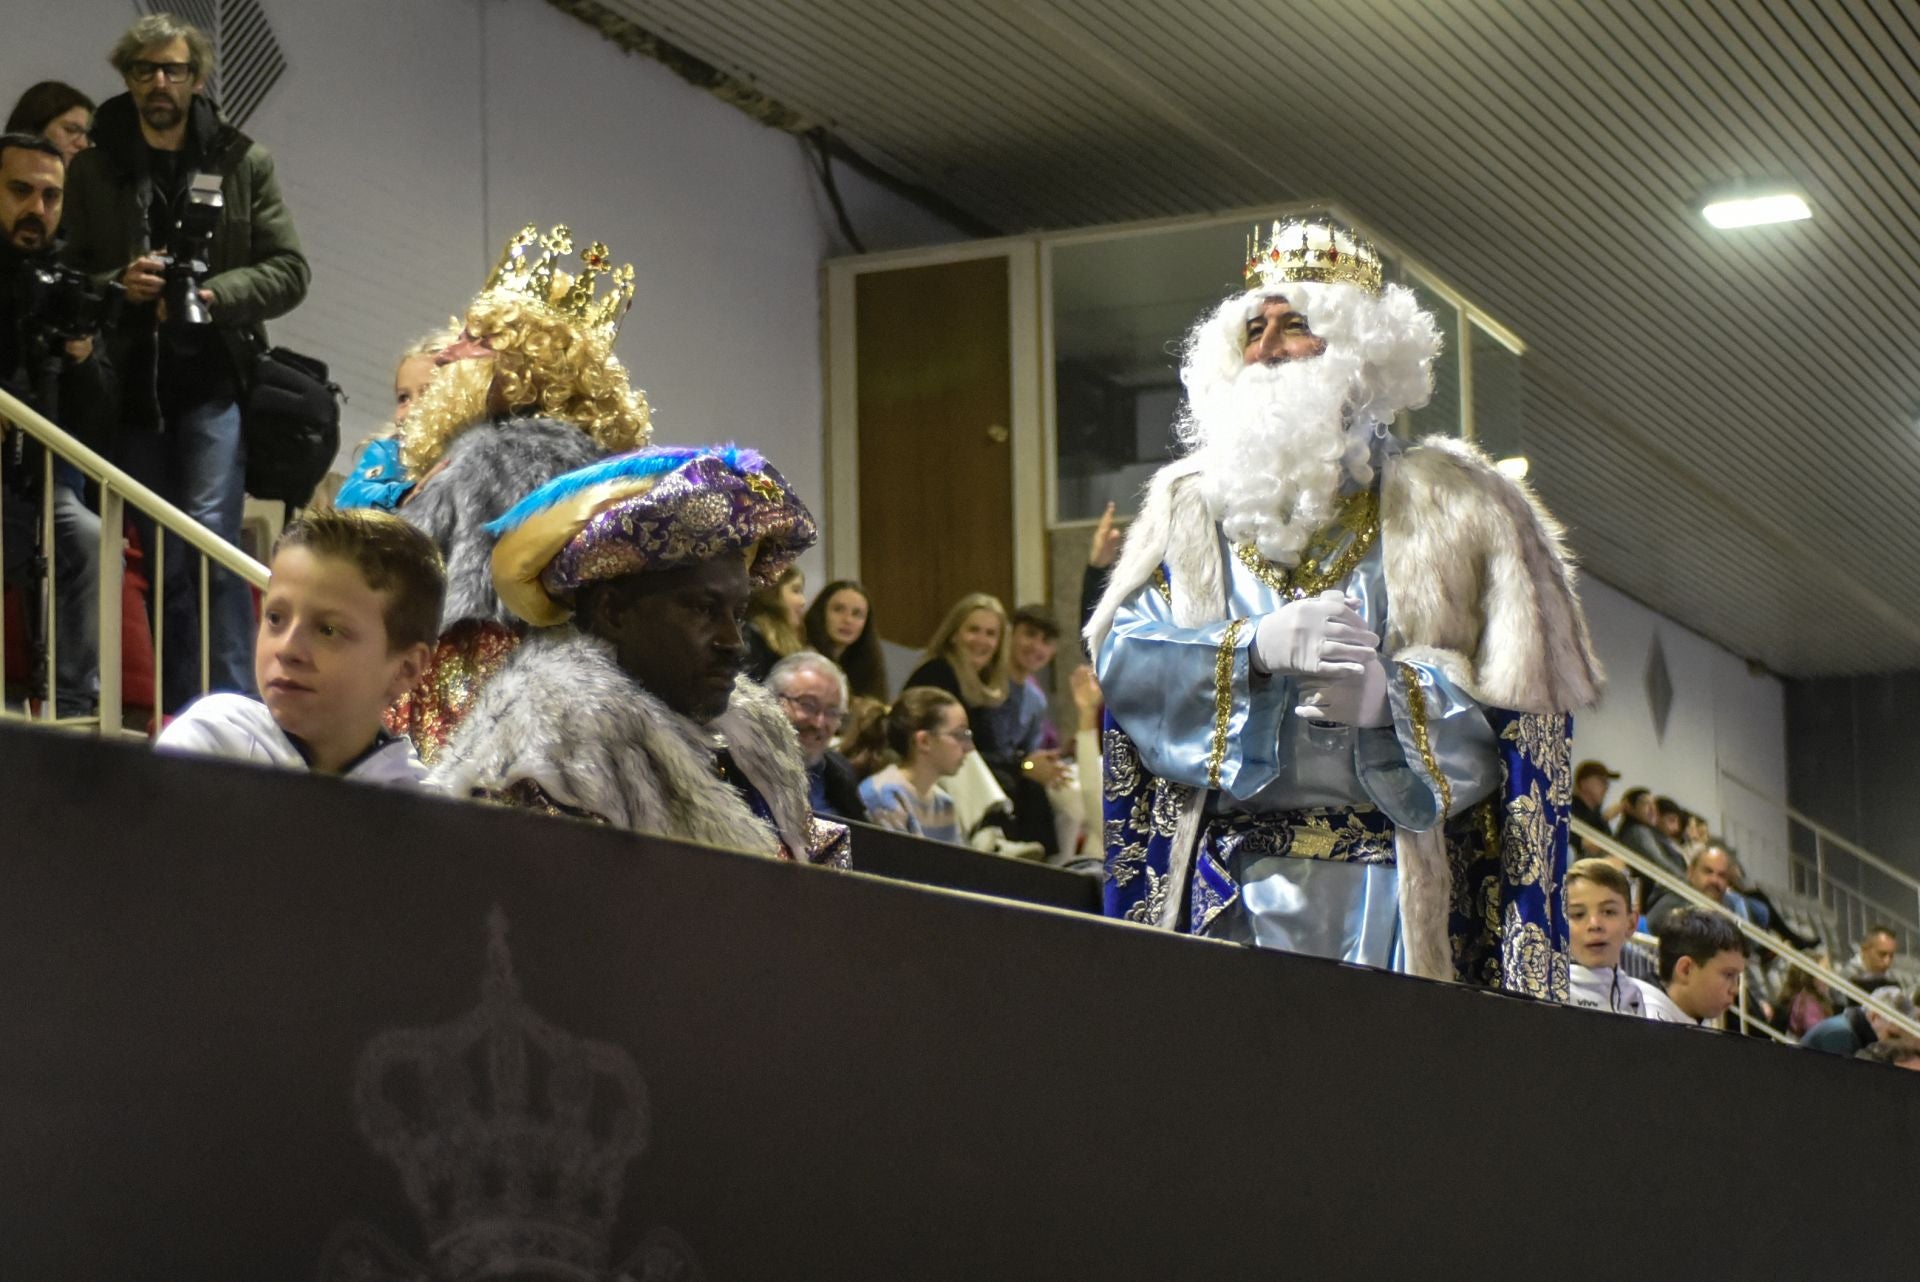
(1670, 820)
(1856, 1027)
(69, 380)
(1021, 723)
(377, 478)
(1709, 872)
(1600, 918)
(57, 112)
(839, 624)
(1637, 832)
(346, 625)
(775, 616)
(1900, 1052)
(1801, 1002)
(813, 691)
(968, 659)
(863, 740)
(927, 734)
(1868, 969)
(626, 706)
(1702, 955)
(1591, 779)
(181, 382)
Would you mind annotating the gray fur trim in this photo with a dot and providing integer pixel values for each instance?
(488, 469)
(563, 714)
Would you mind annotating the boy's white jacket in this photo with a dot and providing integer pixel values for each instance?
(241, 729)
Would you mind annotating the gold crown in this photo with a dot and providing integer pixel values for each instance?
(537, 280)
(1315, 251)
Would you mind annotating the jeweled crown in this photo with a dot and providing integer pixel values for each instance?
(531, 273)
(1315, 251)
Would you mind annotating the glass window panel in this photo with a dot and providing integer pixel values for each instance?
(1499, 398)
(1441, 415)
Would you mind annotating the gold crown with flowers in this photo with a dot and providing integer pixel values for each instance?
(530, 274)
(1315, 251)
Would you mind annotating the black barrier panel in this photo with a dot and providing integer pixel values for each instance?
(267, 1027)
(935, 863)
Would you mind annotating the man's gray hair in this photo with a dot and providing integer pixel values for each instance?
(1891, 996)
(160, 29)
(808, 661)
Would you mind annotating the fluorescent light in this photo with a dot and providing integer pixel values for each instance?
(1753, 211)
(1514, 466)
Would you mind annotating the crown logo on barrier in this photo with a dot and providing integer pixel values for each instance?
(537, 279)
(1314, 251)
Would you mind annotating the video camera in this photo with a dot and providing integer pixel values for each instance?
(187, 251)
(65, 304)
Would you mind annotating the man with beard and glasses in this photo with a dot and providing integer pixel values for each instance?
(627, 705)
(530, 389)
(181, 382)
(1338, 669)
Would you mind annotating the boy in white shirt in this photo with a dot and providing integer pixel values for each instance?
(347, 625)
(1600, 919)
(1702, 956)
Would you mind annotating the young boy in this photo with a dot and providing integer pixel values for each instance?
(1600, 919)
(347, 625)
(1702, 956)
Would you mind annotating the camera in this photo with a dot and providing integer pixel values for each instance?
(187, 251)
(65, 304)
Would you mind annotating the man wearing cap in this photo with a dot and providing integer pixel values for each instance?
(625, 705)
(1591, 779)
(1339, 669)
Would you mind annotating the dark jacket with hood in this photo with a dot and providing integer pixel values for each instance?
(257, 269)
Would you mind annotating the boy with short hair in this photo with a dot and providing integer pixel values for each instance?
(1600, 919)
(347, 625)
(1702, 956)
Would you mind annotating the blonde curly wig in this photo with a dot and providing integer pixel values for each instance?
(541, 365)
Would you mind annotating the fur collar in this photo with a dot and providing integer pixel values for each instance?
(565, 715)
(489, 468)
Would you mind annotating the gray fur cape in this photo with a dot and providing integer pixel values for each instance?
(1479, 584)
(562, 714)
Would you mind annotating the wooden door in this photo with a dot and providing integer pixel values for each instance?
(935, 404)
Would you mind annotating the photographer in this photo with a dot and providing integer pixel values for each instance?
(184, 210)
(49, 359)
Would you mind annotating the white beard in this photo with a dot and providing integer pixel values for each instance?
(1274, 445)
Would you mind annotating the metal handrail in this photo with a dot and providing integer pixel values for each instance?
(1604, 843)
(1827, 834)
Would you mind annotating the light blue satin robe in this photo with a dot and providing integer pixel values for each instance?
(1159, 682)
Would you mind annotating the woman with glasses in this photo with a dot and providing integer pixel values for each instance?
(926, 732)
(57, 112)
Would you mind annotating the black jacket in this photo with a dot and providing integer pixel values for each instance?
(257, 269)
(82, 397)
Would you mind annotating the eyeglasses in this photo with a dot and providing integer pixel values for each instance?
(140, 71)
(962, 735)
(813, 710)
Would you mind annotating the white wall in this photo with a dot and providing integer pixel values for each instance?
(412, 137)
(1723, 718)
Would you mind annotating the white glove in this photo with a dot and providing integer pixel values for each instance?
(1319, 636)
(1348, 698)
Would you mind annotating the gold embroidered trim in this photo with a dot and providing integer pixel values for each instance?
(1417, 714)
(1222, 699)
(1358, 523)
(1160, 583)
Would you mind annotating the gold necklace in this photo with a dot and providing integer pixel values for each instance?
(1357, 522)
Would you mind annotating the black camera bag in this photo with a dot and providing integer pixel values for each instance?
(291, 421)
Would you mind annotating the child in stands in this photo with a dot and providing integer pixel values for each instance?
(1702, 956)
(348, 622)
(1600, 919)
(926, 729)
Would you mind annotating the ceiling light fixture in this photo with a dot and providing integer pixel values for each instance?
(1756, 210)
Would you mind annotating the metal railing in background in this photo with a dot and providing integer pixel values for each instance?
(1857, 887)
(119, 493)
(1598, 842)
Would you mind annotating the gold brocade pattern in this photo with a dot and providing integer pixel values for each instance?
(1323, 563)
(1222, 699)
(464, 660)
(1160, 584)
(1527, 837)
(1417, 714)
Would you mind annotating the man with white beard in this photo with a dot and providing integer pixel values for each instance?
(1339, 669)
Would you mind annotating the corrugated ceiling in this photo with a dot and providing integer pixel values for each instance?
(1727, 422)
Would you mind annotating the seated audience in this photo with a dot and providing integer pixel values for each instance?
(1898, 1052)
(1709, 872)
(349, 617)
(814, 694)
(1670, 820)
(626, 705)
(1856, 1027)
(1600, 920)
(967, 658)
(1801, 1002)
(863, 740)
(775, 614)
(377, 478)
(1591, 779)
(1637, 832)
(1021, 722)
(839, 624)
(1702, 955)
(926, 733)
(1868, 968)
